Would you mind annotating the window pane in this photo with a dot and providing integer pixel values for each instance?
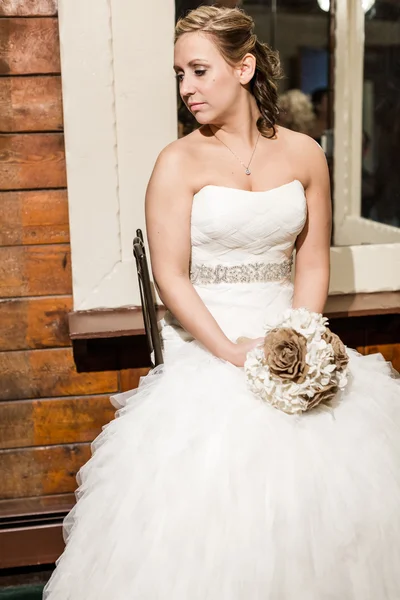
(381, 114)
(299, 30)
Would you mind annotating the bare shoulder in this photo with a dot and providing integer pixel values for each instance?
(171, 157)
(175, 161)
(168, 170)
(306, 146)
(172, 185)
(182, 148)
(306, 153)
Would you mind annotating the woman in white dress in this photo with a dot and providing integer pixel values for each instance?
(199, 490)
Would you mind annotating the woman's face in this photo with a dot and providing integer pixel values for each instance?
(208, 85)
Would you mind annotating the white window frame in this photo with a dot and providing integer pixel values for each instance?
(119, 99)
(372, 248)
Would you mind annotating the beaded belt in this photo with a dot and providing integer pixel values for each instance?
(203, 274)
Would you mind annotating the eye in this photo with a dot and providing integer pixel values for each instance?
(179, 76)
(200, 72)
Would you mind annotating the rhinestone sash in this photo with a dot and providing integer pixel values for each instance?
(203, 274)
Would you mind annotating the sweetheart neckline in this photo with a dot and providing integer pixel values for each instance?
(232, 189)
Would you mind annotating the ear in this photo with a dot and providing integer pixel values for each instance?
(246, 68)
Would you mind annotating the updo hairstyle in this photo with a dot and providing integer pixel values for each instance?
(233, 33)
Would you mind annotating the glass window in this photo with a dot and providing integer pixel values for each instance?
(381, 114)
(299, 30)
(311, 35)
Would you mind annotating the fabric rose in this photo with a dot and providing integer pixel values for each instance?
(339, 349)
(324, 395)
(285, 353)
(301, 365)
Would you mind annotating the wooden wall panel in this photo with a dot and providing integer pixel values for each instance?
(129, 378)
(27, 46)
(35, 270)
(39, 544)
(48, 412)
(49, 373)
(37, 217)
(31, 161)
(36, 506)
(33, 323)
(53, 421)
(41, 471)
(30, 104)
(28, 8)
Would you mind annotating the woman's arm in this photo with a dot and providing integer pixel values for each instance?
(168, 215)
(313, 244)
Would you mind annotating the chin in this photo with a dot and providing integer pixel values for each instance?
(202, 119)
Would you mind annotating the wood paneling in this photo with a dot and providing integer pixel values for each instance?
(33, 323)
(41, 471)
(49, 373)
(30, 104)
(31, 545)
(129, 378)
(36, 506)
(38, 217)
(28, 8)
(31, 161)
(48, 412)
(53, 421)
(27, 46)
(35, 270)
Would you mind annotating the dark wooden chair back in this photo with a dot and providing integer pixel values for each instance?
(147, 300)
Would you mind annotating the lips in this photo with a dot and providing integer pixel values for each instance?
(195, 105)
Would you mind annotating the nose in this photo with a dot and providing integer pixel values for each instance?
(187, 87)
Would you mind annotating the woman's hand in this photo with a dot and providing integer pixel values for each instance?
(241, 348)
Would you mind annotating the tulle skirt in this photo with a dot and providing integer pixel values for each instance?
(200, 491)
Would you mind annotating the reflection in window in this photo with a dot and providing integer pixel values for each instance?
(299, 30)
(381, 114)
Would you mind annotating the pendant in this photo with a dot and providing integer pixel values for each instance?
(248, 172)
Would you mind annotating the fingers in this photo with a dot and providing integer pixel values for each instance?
(252, 341)
(243, 340)
(258, 342)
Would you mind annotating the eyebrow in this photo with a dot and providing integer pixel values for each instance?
(192, 63)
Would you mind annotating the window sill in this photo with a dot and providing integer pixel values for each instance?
(128, 321)
(114, 338)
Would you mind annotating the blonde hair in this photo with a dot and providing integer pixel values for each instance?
(233, 33)
(296, 111)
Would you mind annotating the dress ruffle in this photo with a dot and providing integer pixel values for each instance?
(198, 490)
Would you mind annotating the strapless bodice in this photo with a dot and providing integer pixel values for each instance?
(233, 226)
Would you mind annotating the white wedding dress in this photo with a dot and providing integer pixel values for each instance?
(200, 491)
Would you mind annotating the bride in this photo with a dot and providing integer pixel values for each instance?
(199, 490)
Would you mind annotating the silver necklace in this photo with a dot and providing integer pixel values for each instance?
(245, 167)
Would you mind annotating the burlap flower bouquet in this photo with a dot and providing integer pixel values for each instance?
(301, 364)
